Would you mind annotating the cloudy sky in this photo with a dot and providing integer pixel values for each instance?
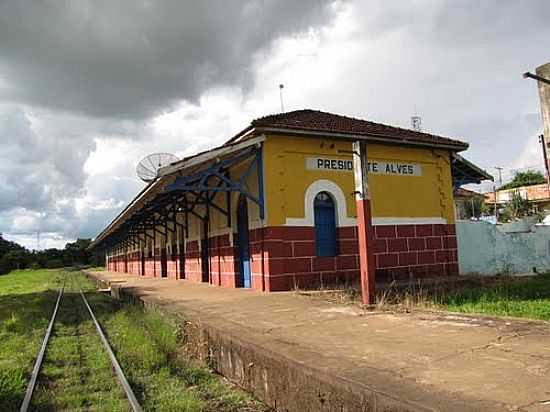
(88, 88)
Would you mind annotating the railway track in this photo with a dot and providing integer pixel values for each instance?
(78, 337)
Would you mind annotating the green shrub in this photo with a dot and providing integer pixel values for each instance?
(5, 266)
(54, 263)
(35, 266)
(12, 387)
(10, 324)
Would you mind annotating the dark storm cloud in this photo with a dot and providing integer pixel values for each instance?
(71, 72)
(100, 69)
(36, 170)
(133, 58)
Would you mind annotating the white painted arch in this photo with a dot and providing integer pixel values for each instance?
(323, 185)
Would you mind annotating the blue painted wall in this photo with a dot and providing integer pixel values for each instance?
(486, 249)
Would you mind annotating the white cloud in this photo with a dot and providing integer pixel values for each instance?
(67, 164)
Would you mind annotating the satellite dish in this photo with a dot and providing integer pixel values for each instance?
(147, 168)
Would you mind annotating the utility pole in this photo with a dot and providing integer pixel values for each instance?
(499, 169)
(542, 142)
(496, 206)
(364, 222)
(529, 75)
(495, 193)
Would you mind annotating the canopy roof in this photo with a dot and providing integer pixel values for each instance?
(465, 172)
(196, 180)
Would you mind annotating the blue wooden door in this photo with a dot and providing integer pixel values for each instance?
(325, 225)
(244, 247)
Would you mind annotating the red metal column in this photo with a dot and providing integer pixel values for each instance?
(364, 222)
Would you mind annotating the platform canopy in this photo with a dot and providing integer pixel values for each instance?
(465, 172)
(204, 179)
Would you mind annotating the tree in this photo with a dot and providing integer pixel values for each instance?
(517, 207)
(475, 207)
(15, 256)
(77, 252)
(527, 178)
(7, 246)
(16, 259)
(12, 256)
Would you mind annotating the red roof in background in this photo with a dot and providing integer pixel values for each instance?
(314, 120)
(461, 192)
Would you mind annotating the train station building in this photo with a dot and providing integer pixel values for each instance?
(274, 207)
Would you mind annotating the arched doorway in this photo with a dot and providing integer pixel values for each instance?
(325, 225)
(243, 243)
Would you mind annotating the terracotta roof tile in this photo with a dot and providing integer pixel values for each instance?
(461, 192)
(314, 120)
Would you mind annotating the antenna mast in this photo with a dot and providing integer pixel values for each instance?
(416, 123)
(281, 87)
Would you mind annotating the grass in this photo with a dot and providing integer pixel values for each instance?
(76, 374)
(528, 298)
(499, 296)
(26, 303)
(96, 269)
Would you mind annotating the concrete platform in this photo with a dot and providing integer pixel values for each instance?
(303, 354)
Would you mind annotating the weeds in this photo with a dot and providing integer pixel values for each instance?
(499, 295)
(10, 324)
(77, 375)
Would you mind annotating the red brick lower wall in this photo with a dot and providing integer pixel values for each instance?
(223, 262)
(290, 261)
(283, 257)
(418, 251)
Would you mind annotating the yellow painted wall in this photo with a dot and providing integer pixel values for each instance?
(287, 179)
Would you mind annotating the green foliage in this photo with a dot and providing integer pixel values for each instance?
(12, 387)
(25, 307)
(517, 208)
(53, 264)
(14, 256)
(475, 207)
(527, 178)
(76, 253)
(76, 373)
(10, 324)
(528, 298)
(7, 246)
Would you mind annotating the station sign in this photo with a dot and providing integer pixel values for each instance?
(373, 167)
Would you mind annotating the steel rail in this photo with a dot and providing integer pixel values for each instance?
(118, 370)
(40, 358)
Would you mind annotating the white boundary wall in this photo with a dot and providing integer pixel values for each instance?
(486, 249)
